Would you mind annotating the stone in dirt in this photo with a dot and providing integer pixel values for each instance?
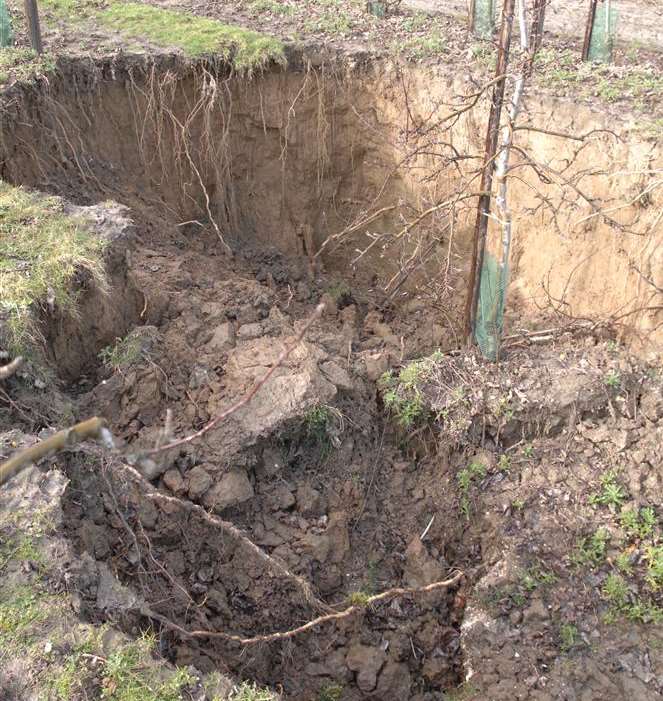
(173, 480)
(249, 331)
(394, 681)
(336, 374)
(281, 498)
(367, 662)
(232, 489)
(376, 365)
(309, 500)
(295, 386)
(198, 481)
(420, 568)
(223, 338)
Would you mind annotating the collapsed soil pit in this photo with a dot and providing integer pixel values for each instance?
(302, 471)
(278, 169)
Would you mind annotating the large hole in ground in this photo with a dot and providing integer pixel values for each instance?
(234, 186)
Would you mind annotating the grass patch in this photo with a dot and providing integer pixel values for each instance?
(485, 54)
(22, 64)
(638, 524)
(611, 494)
(196, 36)
(330, 692)
(469, 475)
(569, 637)
(425, 46)
(590, 551)
(402, 393)
(329, 22)
(123, 353)
(322, 423)
(247, 691)
(273, 6)
(126, 675)
(23, 612)
(535, 577)
(562, 68)
(41, 248)
(340, 292)
(464, 692)
(20, 548)
(129, 673)
(654, 560)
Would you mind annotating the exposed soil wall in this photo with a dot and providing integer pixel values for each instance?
(290, 158)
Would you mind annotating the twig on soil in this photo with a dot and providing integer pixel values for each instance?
(91, 428)
(336, 616)
(430, 523)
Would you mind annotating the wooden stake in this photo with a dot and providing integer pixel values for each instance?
(32, 14)
(589, 28)
(483, 209)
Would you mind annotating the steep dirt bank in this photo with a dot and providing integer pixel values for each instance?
(348, 148)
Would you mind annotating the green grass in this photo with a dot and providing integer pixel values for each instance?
(402, 393)
(123, 353)
(485, 54)
(638, 524)
(358, 598)
(41, 248)
(339, 291)
(23, 612)
(536, 577)
(613, 379)
(276, 7)
(330, 692)
(562, 68)
(427, 46)
(469, 475)
(415, 22)
(247, 691)
(590, 551)
(127, 678)
(19, 548)
(623, 563)
(329, 22)
(569, 637)
(23, 64)
(196, 36)
(461, 693)
(654, 560)
(611, 494)
(319, 423)
(129, 673)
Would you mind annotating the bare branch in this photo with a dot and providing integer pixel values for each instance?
(327, 618)
(94, 428)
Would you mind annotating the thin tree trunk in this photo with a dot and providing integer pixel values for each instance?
(502, 161)
(539, 16)
(492, 135)
(588, 29)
